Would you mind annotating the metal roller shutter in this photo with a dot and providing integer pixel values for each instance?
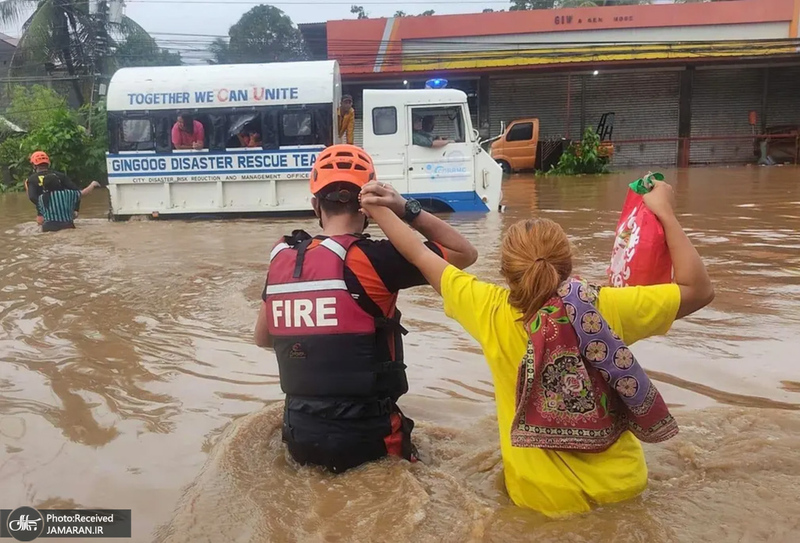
(783, 96)
(646, 106)
(721, 102)
(543, 97)
(358, 133)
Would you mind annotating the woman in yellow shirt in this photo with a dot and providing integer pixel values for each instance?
(537, 264)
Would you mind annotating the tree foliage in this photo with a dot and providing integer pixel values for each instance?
(141, 49)
(518, 5)
(263, 34)
(75, 140)
(359, 12)
(32, 107)
(63, 36)
(426, 13)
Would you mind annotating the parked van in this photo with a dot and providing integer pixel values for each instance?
(263, 126)
(515, 149)
(519, 148)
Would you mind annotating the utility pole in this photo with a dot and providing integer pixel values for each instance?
(106, 13)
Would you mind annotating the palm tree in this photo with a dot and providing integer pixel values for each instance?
(67, 36)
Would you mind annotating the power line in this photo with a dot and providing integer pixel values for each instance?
(196, 47)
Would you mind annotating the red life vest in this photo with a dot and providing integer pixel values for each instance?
(324, 340)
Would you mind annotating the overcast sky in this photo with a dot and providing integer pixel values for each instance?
(216, 16)
(166, 19)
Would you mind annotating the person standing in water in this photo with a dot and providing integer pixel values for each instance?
(59, 205)
(329, 311)
(572, 401)
(34, 185)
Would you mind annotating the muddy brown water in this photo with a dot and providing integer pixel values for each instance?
(128, 379)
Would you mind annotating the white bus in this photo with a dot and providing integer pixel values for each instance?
(263, 125)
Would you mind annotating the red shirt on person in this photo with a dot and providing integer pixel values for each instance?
(181, 138)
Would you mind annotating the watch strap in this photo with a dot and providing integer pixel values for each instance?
(410, 215)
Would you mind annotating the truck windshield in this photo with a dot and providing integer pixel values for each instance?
(441, 121)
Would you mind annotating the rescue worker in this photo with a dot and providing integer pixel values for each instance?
(34, 185)
(329, 313)
(347, 120)
(59, 205)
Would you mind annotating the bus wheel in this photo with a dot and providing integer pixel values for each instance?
(506, 166)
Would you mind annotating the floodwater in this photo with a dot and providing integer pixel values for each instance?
(128, 379)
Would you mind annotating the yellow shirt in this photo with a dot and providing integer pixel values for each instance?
(557, 482)
(347, 124)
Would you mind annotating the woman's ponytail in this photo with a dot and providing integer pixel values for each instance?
(536, 259)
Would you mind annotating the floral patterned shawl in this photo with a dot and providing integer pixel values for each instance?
(579, 386)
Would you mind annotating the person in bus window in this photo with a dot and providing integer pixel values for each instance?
(187, 133)
(422, 134)
(249, 138)
(347, 120)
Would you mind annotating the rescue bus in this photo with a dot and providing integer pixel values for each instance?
(263, 126)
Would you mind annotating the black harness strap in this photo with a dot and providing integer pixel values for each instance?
(301, 256)
(367, 304)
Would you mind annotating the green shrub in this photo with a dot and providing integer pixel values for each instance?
(76, 141)
(583, 157)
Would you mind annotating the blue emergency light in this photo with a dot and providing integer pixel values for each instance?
(436, 83)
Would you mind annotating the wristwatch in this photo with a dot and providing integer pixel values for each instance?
(413, 209)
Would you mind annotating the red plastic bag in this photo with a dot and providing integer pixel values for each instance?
(640, 255)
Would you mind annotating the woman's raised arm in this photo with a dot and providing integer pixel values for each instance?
(405, 240)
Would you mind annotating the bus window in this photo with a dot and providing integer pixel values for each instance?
(244, 131)
(216, 133)
(113, 133)
(269, 128)
(136, 135)
(296, 128)
(163, 133)
(307, 126)
(323, 125)
(187, 140)
(296, 125)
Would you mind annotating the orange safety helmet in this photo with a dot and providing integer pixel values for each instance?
(342, 163)
(40, 157)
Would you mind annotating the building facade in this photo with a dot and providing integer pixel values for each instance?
(687, 83)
